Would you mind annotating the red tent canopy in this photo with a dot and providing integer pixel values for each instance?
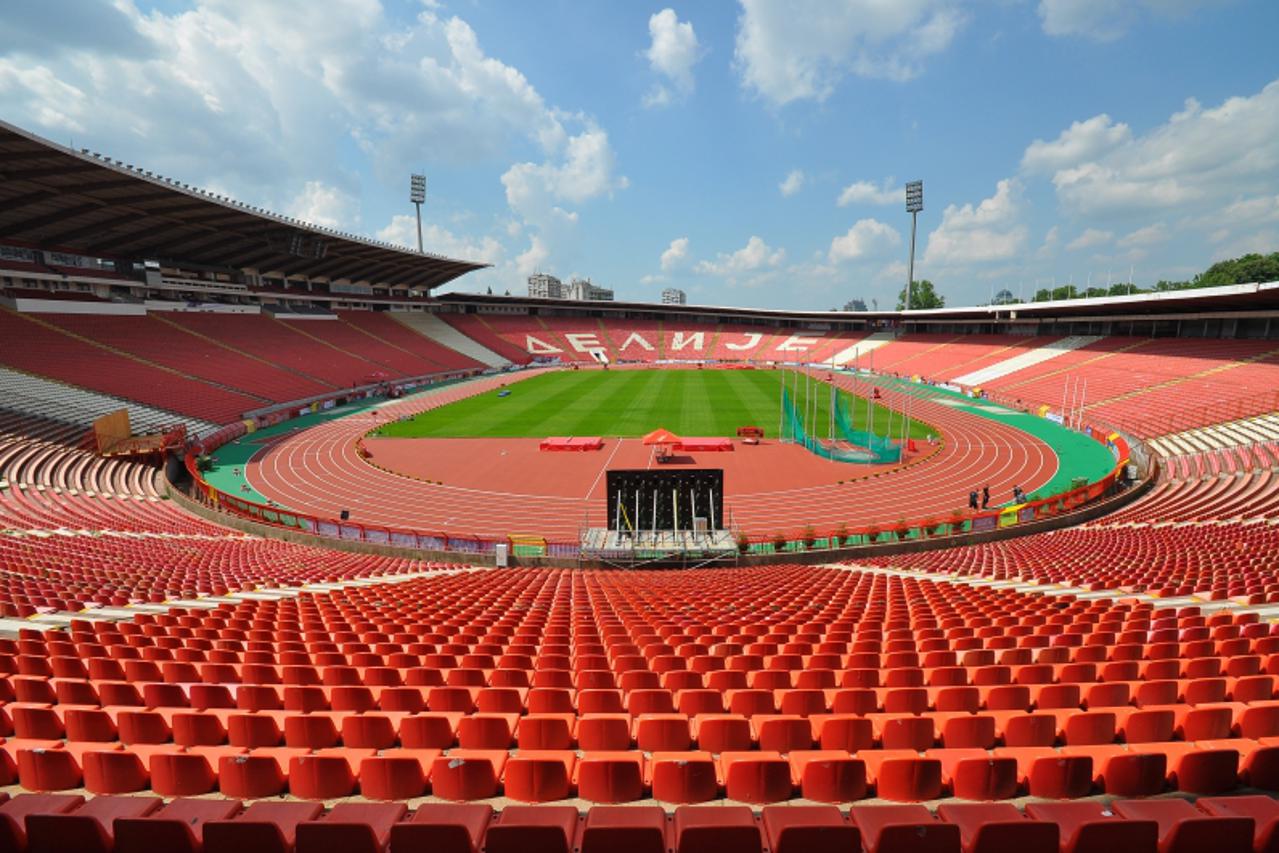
(661, 436)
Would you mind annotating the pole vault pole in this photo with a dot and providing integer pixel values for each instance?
(675, 506)
(1083, 396)
(888, 433)
(781, 406)
(653, 517)
(692, 502)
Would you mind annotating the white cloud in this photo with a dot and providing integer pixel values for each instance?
(533, 259)
(1106, 20)
(672, 53)
(53, 103)
(991, 231)
(1198, 157)
(402, 231)
(792, 184)
(866, 237)
(675, 253)
(1090, 238)
(321, 204)
(865, 192)
(261, 99)
(801, 49)
(1051, 239)
(756, 255)
(1148, 236)
(1083, 140)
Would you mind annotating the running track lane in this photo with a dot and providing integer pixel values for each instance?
(319, 472)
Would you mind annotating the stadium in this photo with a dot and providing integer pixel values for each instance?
(300, 550)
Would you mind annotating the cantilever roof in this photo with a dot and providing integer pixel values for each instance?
(58, 198)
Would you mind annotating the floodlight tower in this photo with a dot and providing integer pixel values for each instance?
(417, 195)
(914, 204)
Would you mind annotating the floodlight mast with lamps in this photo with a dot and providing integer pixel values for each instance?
(914, 204)
(417, 195)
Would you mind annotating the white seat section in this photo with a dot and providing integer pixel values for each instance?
(1260, 429)
(44, 398)
(1023, 360)
(858, 351)
(442, 333)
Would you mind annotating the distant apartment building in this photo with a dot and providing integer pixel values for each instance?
(581, 290)
(674, 296)
(543, 286)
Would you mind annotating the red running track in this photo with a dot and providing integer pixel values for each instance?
(319, 472)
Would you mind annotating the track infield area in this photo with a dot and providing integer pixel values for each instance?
(498, 486)
(631, 403)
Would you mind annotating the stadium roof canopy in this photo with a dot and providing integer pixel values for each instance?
(56, 198)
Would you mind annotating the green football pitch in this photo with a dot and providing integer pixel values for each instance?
(629, 403)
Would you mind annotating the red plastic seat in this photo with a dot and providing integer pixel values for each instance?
(350, 828)
(520, 829)
(48, 769)
(731, 829)
(1130, 774)
(1050, 774)
(264, 827)
(808, 829)
(999, 827)
(1183, 828)
(781, 733)
(545, 731)
(604, 732)
(259, 773)
(661, 733)
(143, 727)
(321, 777)
(181, 774)
(1088, 827)
(968, 731)
(683, 777)
(13, 814)
(429, 731)
(903, 775)
(114, 772)
(828, 776)
(401, 775)
(310, 731)
(639, 829)
(178, 826)
(368, 731)
(974, 774)
(88, 829)
(467, 774)
(1264, 812)
(253, 730)
(756, 777)
(486, 731)
(539, 776)
(198, 728)
(904, 829)
(610, 777)
(452, 828)
(722, 732)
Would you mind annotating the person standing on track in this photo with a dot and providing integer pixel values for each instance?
(985, 496)
(972, 499)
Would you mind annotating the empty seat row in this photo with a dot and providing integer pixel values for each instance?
(48, 823)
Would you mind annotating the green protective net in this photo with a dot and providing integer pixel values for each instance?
(850, 445)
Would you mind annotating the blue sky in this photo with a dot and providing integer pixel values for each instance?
(751, 152)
